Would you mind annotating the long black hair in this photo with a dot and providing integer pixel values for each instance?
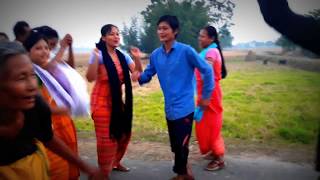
(212, 33)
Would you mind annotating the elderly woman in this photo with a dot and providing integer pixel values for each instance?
(25, 122)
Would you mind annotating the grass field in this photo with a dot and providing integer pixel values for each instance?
(262, 103)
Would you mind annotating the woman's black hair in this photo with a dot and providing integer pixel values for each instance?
(47, 31)
(32, 39)
(107, 29)
(212, 33)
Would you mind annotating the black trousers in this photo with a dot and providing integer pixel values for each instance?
(179, 134)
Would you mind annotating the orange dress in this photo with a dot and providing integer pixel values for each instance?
(110, 152)
(208, 130)
(63, 128)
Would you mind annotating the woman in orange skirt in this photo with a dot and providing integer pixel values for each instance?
(208, 129)
(52, 92)
(64, 128)
(111, 98)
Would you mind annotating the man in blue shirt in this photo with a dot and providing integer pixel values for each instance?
(174, 63)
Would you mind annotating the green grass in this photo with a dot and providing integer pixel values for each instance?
(84, 124)
(271, 103)
(261, 103)
(149, 118)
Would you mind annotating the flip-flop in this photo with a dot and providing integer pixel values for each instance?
(215, 165)
(121, 168)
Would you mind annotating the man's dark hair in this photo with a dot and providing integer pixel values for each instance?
(19, 28)
(171, 20)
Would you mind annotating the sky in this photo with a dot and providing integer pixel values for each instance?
(83, 19)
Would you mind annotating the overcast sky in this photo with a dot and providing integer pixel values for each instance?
(84, 18)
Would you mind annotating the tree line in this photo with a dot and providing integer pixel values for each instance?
(192, 14)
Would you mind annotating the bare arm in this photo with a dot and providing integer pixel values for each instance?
(132, 67)
(135, 52)
(60, 148)
(59, 56)
(65, 43)
(92, 71)
(70, 54)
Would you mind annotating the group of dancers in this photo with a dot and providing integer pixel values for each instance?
(41, 94)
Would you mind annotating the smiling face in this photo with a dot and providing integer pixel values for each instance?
(203, 39)
(39, 53)
(112, 38)
(18, 86)
(165, 32)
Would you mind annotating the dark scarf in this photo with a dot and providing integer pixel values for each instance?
(121, 114)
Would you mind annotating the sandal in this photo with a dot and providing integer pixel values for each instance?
(215, 165)
(121, 168)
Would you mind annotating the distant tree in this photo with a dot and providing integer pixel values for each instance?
(192, 14)
(286, 44)
(131, 34)
(225, 37)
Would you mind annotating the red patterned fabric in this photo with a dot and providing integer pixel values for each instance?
(109, 151)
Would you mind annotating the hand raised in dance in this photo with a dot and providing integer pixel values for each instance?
(136, 54)
(66, 41)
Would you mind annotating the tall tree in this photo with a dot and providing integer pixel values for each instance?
(192, 14)
(131, 34)
(286, 44)
(221, 12)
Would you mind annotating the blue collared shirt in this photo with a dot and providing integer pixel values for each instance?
(175, 72)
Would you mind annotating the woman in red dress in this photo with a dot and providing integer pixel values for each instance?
(111, 98)
(208, 129)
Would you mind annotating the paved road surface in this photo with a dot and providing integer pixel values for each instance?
(238, 168)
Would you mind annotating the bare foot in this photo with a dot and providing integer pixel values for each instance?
(210, 156)
(189, 170)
